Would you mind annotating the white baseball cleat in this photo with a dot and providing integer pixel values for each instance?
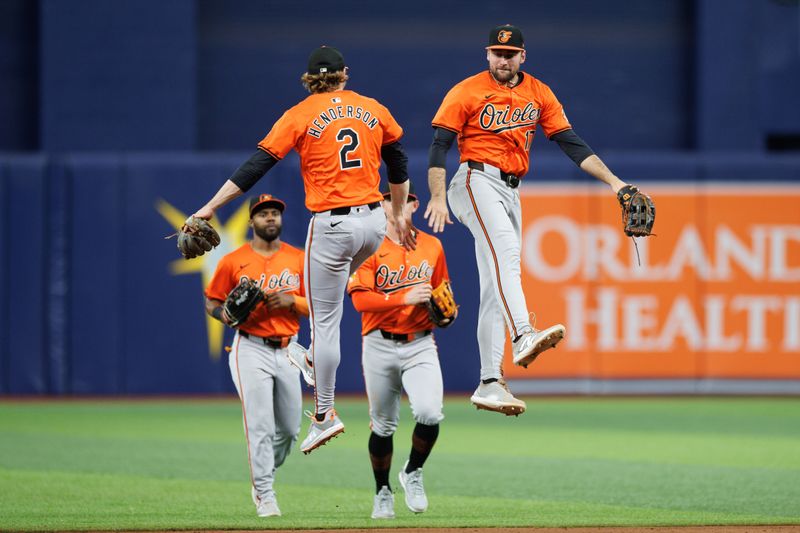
(267, 508)
(298, 356)
(495, 396)
(383, 504)
(412, 485)
(319, 433)
(535, 342)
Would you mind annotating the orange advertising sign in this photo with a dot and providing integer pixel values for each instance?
(717, 294)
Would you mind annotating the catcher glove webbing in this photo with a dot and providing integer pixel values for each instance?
(442, 308)
(241, 301)
(196, 237)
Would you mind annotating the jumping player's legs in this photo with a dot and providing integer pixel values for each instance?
(253, 370)
(491, 323)
(335, 246)
(490, 210)
(327, 267)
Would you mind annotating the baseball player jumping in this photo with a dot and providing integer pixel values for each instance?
(494, 115)
(341, 138)
(390, 290)
(267, 383)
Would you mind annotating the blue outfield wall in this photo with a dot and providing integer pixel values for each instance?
(98, 308)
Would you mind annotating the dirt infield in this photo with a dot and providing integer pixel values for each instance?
(666, 529)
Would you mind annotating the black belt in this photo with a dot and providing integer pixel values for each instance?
(346, 210)
(510, 179)
(404, 337)
(274, 342)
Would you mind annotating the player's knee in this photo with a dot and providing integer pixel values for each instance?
(383, 427)
(428, 414)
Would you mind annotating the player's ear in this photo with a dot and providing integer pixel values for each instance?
(522, 57)
(414, 206)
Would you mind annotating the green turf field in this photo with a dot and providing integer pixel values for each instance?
(566, 462)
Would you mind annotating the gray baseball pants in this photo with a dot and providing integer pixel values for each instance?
(269, 388)
(492, 212)
(336, 246)
(391, 366)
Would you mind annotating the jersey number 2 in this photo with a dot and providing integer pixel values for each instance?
(346, 134)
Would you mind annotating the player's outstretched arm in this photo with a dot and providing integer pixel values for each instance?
(242, 180)
(594, 166)
(576, 149)
(225, 194)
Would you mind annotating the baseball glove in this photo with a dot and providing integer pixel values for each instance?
(442, 308)
(241, 301)
(638, 211)
(196, 237)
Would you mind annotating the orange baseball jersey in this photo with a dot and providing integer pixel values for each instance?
(281, 272)
(495, 124)
(391, 272)
(338, 136)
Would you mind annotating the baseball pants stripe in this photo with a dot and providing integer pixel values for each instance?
(240, 390)
(494, 256)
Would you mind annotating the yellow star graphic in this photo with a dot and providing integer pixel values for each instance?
(232, 234)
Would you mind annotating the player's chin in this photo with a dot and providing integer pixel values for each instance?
(503, 75)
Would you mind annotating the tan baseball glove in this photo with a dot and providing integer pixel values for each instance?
(442, 307)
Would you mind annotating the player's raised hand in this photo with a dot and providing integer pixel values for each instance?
(418, 294)
(204, 212)
(406, 233)
(437, 214)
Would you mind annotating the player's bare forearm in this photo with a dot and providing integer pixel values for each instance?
(225, 194)
(436, 213)
(399, 192)
(594, 166)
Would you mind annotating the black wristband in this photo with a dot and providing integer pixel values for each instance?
(217, 313)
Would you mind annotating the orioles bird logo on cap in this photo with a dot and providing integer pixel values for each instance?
(264, 197)
(504, 36)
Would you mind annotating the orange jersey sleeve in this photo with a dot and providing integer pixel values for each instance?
(338, 136)
(495, 123)
(284, 134)
(454, 112)
(280, 272)
(391, 272)
(223, 281)
(552, 118)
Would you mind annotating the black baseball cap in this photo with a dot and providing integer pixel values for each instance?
(387, 193)
(261, 201)
(325, 59)
(506, 37)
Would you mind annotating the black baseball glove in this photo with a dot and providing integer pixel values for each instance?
(196, 237)
(241, 301)
(638, 211)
